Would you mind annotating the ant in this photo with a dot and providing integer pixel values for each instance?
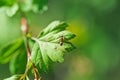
(61, 40)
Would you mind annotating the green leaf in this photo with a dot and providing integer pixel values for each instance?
(7, 2)
(14, 77)
(18, 63)
(17, 77)
(39, 6)
(34, 5)
(47, 48)
(9, 51)
(9, 6)
(10, 11)
(54, 27)
(26, 5)
(12, 6)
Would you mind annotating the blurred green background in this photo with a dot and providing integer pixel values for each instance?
(97, 26)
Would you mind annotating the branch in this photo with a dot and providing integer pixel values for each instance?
(25, 32)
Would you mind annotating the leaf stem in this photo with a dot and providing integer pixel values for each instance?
(25, 32)
(35, 39)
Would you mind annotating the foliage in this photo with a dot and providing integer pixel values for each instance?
(6, 55)
(12, 6)
(96, 24)
(48, 47)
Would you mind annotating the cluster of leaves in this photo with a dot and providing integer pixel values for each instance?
(46, 49)
(11, 7)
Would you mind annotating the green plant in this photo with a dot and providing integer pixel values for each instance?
(48, 47)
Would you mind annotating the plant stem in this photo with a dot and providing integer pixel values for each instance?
(25, 32)
(35, 72)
